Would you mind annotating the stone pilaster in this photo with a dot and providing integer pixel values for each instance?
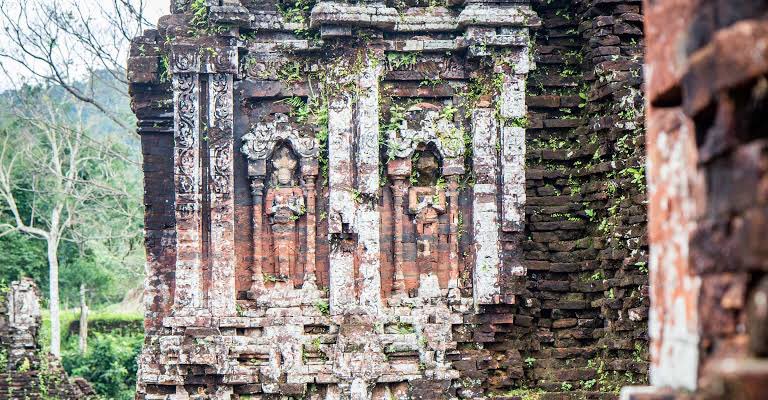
(485, 210)
(221, 189)
(341, 215)
(368, 160)
(513, 112)
(187, 173)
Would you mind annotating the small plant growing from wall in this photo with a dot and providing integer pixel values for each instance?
(323, 307)
(403, 60)
(529, 361)
(3, 360)
(199, 12)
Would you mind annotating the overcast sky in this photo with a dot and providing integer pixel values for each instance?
(154, 10)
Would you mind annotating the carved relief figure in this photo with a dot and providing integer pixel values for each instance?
(430, 131)
(426, 201)
(284, 205)
(276, 151)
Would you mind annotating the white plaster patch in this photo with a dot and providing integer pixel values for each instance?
(340, 174)
(370, 257)
(368, 128)
(513, 178)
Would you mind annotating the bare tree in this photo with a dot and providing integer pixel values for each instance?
(66, 175)
(81, 48)
(83, 334)
(60, 42)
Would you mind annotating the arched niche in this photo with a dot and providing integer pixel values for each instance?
(424, 125)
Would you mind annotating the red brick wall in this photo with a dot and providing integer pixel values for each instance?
(706, 90)
(153, 106)
(583, 305)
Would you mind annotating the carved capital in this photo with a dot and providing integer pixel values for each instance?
(184, 58)
(219, 60)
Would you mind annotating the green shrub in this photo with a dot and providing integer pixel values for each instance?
(110, 364)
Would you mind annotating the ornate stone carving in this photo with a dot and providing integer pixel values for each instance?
(426, 202)
(348, 297)
(222, 60)
(284, 205)
(220, 134)
(185, 134)
(424, 124)
(187, 176)
(285, 201)
(262, 66)
(261, 140)
(185, 58)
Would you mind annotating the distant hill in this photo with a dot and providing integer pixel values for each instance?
(110, 93)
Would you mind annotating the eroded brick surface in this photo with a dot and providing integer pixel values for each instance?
(706, 72)
(27, 372)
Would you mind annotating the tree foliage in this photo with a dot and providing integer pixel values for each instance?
(70, 176)
(110, 364)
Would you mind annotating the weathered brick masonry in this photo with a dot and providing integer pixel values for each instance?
(706, 73)
(406, 200)
(586, 252)
(26, 372)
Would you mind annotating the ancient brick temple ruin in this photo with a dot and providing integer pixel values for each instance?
(408, 199)
(26, 372)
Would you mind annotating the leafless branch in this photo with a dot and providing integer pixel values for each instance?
(62, 42)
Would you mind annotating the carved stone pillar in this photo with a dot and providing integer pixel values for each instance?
(310, 275)
(487, 29)
(221, 299)
(257, 195)
(341, 203)
(368, 219)
(399, 170)
(452, 193)
(513, 111)
(187, 181)
(204, 212)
